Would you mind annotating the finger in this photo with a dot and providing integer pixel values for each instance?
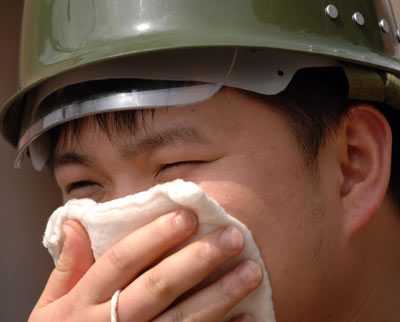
(214, 302)
(75, 259)
(244, 318)
(127, 259)
(156, 289)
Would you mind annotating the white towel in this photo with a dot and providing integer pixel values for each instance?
(107, 223)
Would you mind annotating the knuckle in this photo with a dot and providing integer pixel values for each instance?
(161, 227)
(158, 285)
(65, 267)
(63, 264)
(227, 293)
(179, 315)
(119, 258)
(206, 251)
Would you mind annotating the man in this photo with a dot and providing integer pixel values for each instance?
(301, 149)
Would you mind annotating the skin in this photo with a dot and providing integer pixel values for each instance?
(329, 237)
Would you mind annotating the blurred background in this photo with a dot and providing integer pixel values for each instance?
(27, 198)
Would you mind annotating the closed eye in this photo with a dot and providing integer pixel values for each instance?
(78, 185)
(170, 166)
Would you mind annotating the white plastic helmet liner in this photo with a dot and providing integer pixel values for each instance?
(39, 152)
(39, 146)
(269, 72)
(264, 71)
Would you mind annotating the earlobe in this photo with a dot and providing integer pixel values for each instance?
(366, 143)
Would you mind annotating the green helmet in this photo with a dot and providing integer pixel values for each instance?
(193, 46)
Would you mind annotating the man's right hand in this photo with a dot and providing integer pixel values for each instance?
(80, 289)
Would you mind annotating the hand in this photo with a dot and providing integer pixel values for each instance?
(80, 289)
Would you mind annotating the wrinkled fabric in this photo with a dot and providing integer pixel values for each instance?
(372, 85)
(107, 223)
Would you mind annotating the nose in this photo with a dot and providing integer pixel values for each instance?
(129, 184)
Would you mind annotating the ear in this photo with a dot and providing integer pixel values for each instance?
(365, 141)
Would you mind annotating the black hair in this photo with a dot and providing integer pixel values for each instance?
(313, 104)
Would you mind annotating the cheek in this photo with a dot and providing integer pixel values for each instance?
(284, 212)
(276, 212)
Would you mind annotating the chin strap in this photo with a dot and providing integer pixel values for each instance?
(369, 84)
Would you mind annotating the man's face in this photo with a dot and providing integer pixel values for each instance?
(242, 153)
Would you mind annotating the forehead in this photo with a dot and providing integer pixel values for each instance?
(221, 111)
(231, 119)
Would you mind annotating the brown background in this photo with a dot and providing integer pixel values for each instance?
(26, 197)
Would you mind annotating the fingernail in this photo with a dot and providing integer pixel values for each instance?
(66, 229)
(185, 220)
(250, 273)
(231, 239)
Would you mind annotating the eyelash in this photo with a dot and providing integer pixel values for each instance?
(79, 184)
(168, 166)
(180, 163)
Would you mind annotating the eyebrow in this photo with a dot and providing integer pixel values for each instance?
(69, 158)
(149, 142)
(169, 136)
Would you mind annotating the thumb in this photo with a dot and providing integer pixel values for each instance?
(75, 260)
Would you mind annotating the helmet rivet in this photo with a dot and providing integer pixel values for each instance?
(398, 35)
(384, 25)
(358, 18)
(332, 11)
